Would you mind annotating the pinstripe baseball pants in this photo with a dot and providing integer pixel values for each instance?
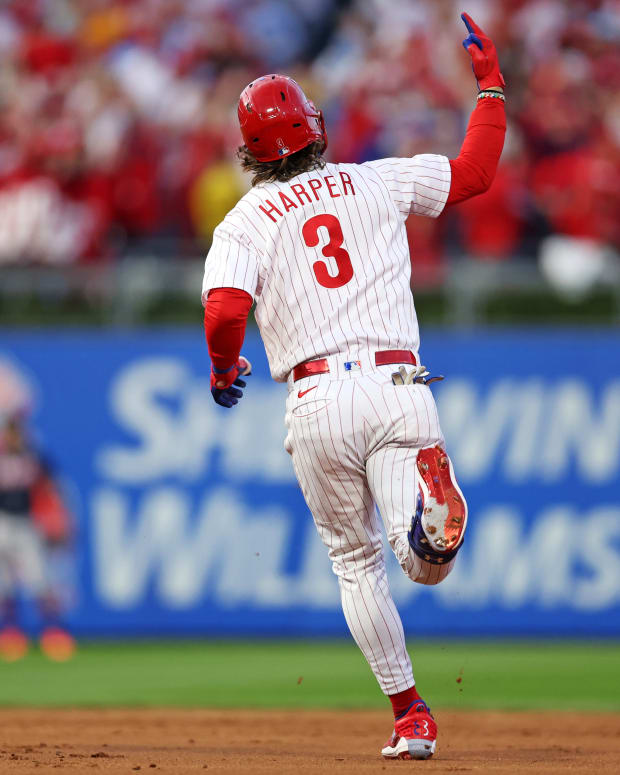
(354, 438)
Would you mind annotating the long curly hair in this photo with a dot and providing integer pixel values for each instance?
(309, 158)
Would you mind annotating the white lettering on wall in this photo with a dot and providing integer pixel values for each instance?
(236, 555)
(175, 428)
(229, 551)
(531, 429)
(161, 527)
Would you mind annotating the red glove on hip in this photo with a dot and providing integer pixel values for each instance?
(483, 55)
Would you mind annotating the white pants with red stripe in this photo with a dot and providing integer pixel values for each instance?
(354, 438)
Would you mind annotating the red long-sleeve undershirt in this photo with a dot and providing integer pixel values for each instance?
(226, 313)
(474, 168)
(227, 309)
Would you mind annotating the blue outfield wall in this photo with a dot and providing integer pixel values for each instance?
(190, 519)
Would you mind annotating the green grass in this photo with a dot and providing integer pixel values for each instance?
(552, 675)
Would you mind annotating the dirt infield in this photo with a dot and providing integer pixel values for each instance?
(187, 741)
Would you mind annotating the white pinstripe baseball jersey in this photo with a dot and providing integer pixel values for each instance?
(326, 258)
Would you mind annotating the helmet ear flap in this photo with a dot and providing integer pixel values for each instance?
(323, 130)
(321, 122)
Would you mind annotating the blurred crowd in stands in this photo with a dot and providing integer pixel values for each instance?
(118, 117)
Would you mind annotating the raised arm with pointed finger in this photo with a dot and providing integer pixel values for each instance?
(474, 169)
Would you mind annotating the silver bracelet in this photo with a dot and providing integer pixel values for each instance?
(494, 94)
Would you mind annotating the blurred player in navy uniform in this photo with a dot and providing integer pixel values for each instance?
(34, 524)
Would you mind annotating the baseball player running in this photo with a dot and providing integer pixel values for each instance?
(322, 249)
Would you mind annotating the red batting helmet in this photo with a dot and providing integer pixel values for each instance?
(277, 119)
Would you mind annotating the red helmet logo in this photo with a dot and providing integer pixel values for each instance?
(277, 119)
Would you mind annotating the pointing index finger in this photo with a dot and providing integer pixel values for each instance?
(471, 24)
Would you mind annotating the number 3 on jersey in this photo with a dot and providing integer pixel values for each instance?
(333, 249)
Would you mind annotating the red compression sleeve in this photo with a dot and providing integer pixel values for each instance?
(226, 313)
(474, 168)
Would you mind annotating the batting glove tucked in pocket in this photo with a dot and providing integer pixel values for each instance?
(419, 375)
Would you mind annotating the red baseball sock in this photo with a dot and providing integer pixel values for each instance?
(402, 700)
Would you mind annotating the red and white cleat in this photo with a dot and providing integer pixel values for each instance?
(13, 644)
(414, 736)
(438, 526)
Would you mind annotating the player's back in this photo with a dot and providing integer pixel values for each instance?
(326, 256)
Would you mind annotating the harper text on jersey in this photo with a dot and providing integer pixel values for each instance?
(324, 183)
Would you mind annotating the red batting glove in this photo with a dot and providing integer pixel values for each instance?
(483, 55)
(225, 382)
